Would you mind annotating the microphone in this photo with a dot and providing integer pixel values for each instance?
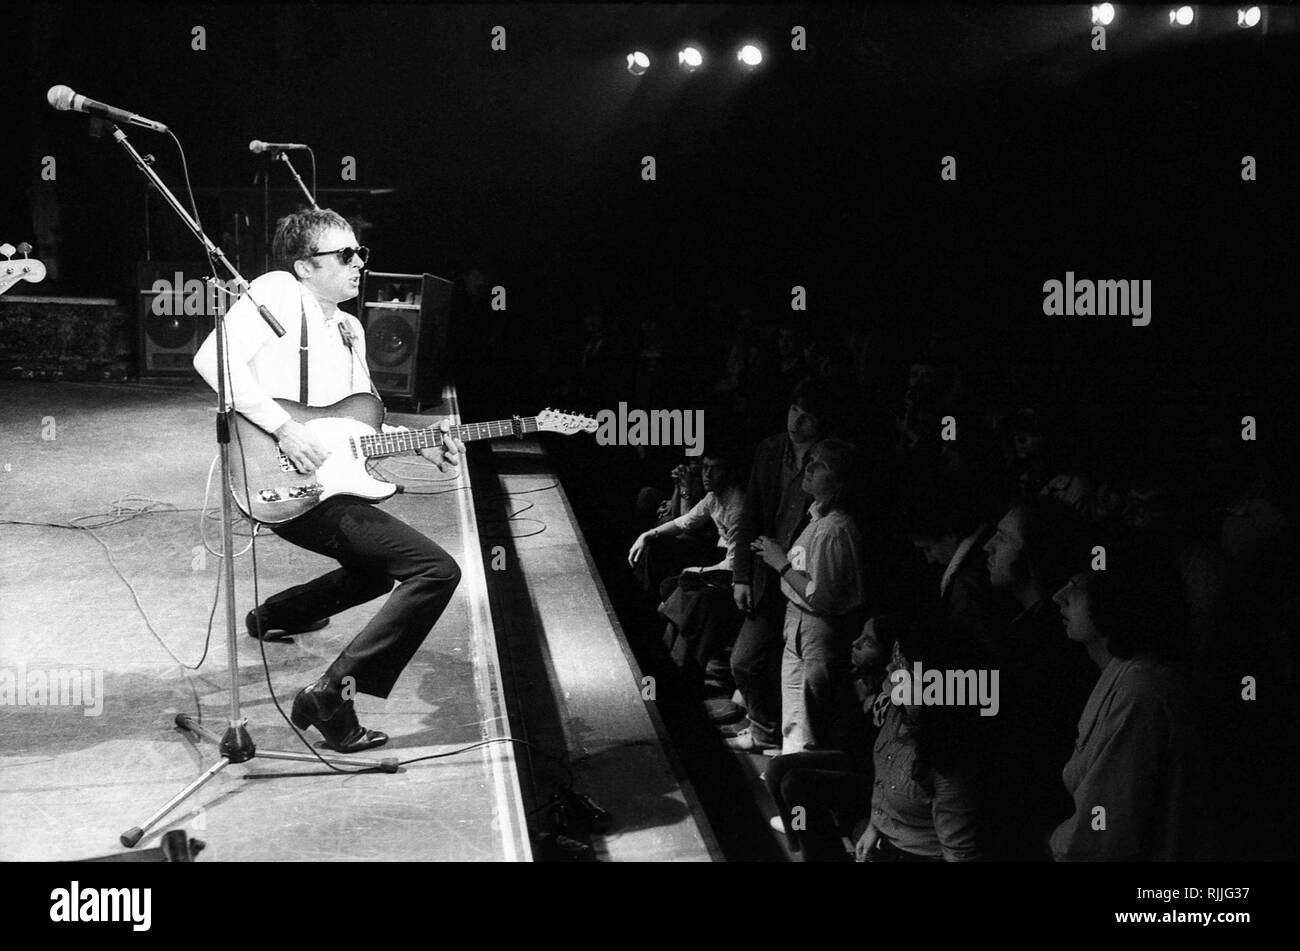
(258, 146)
(63, 99)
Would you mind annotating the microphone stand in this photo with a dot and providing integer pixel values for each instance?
(235, 745)
(280, 154)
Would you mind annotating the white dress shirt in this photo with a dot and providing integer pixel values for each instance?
(724, 512)
(832, 556)
(264, 367)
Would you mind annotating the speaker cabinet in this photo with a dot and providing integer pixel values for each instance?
(177, 311)
(405, 317)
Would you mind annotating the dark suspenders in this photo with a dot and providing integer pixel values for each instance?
(302, 357)
(346, 333)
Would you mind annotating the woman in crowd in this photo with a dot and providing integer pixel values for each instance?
(925, 804)
(822, 578)
(1136, 775)
(832, 789)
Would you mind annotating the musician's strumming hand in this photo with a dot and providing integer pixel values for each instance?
(447, 455)
(301, 447)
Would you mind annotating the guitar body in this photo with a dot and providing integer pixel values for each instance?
(277, 492)
(349, 430)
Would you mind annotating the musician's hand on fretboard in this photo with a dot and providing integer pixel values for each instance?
(445, 456)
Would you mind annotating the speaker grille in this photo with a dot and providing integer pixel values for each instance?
(390, 339)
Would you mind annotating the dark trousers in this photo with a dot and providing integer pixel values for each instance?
(664, 558)
(704, 616)
(374, 549)
(756, 665)
(829, 790)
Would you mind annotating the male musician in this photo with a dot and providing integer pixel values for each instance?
(320, 360)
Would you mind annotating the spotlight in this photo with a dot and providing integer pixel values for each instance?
(1248, 17)
(1183, 16)
(691, 58)
(1103, 15)
(637, 63)
(750, 55)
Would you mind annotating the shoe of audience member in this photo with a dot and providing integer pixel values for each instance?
(720, 687)
(746, 742)
(721, 710)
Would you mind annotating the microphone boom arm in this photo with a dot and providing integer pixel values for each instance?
(283, 157)
(214, 252)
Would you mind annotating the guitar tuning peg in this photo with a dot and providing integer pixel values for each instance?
(24, 248)
(7, 250)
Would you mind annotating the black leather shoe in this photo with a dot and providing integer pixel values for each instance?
(272, 633)
(335, 718)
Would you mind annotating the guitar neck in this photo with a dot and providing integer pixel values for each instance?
(390, 444)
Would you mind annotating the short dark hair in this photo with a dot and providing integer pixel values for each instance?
(296, 235)
(1056, 543)
(1137, 603)
(815, 398)
(896, 627)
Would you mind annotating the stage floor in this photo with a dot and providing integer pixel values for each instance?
(74, 776)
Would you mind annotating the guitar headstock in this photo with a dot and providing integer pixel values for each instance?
(556, 421)
(11, 271)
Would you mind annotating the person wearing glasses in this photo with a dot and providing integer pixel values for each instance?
(320, 360)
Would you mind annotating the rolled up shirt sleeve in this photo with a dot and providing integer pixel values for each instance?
(833, 563)
(699, 515)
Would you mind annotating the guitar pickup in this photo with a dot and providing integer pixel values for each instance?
(288, 493)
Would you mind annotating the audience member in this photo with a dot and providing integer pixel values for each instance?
(776, 506)
(1136, 773)
(940, 516)
(925, 804)
(821, 578)
(1045, 677)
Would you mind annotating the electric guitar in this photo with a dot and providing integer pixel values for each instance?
(11, 272)
(349, 431)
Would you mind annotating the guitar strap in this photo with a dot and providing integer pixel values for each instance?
(345, 332)
(302, 357)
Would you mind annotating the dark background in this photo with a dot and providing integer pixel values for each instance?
(820, 169)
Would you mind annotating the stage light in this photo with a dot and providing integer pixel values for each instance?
(637, 63)
(1183, 16)
(1248, 17)
(750, 55)
(1103, 14)
(691, 58)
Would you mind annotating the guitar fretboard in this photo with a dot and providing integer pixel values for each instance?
(388, 444)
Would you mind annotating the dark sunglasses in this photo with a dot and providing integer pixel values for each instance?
(345, 254)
